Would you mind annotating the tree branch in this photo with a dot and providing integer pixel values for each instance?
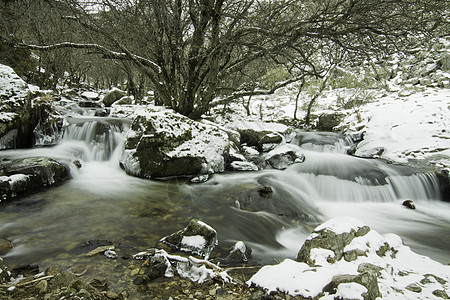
(99, 48)
(240, 94)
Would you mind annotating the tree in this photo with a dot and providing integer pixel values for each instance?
(191, 49)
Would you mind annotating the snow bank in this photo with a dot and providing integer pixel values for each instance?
(398, 272)
(401, 129)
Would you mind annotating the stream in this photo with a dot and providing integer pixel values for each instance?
(102, 203)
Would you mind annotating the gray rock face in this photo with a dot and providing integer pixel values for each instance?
(112, 96)
(27, 175)
(166, 144)
(198, 238)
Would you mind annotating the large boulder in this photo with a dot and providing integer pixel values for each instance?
(285, 155)
(162, 143)
(24, 176)
(329, 120)
(334, 236)
(112, 96)
(15, 127)
(259, 133)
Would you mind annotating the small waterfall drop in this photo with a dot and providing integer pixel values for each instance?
(101, 135)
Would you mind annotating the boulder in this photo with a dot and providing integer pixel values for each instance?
(112, 96)
(5, 246)
(367, 280)
(125, 100)
(327, 121)
(270, 141)
(27, 175)
(163, 144)
(258, 133)
(409, 204)
(15, 106)
(197, 238)
(331, 236)
(284, 155)
(243, 166)
(48, 130)
(239, 253)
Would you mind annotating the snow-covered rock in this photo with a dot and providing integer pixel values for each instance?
(197, 238)
(113, 96)
(244, 166)
(253, 132)
(28, 175)
(285, 155)
(162, 143)
(382, 267)
(14, 110)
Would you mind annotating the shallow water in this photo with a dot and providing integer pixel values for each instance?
(102, 203)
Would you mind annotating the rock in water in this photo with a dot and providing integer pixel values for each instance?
(334, 235)
(259, 133)
(112, 96)
(409, 204)
(239, 253)
(198, 238)
(5, 246)
(27, 175)
(166, 144)
(285, 155)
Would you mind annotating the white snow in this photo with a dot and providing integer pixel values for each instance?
(285, 148)
(340, 225)
(412, 127)
(244, 166)
(351, 291)
(258, 126)
(400, 268)
(90, 95)
(193, 242)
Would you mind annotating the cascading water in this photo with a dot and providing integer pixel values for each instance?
(101, 135)
(102, 202)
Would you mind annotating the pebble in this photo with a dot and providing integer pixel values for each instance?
(42, 286)
(111, 295)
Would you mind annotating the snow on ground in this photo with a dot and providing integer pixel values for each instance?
(411, 127)
(401, 274)
(410, 123)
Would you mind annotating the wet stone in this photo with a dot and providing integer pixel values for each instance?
(5, 246)
(409, 204)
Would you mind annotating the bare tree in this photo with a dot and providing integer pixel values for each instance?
(189, 49)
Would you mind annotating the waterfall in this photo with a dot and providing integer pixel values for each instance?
(101, 135)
